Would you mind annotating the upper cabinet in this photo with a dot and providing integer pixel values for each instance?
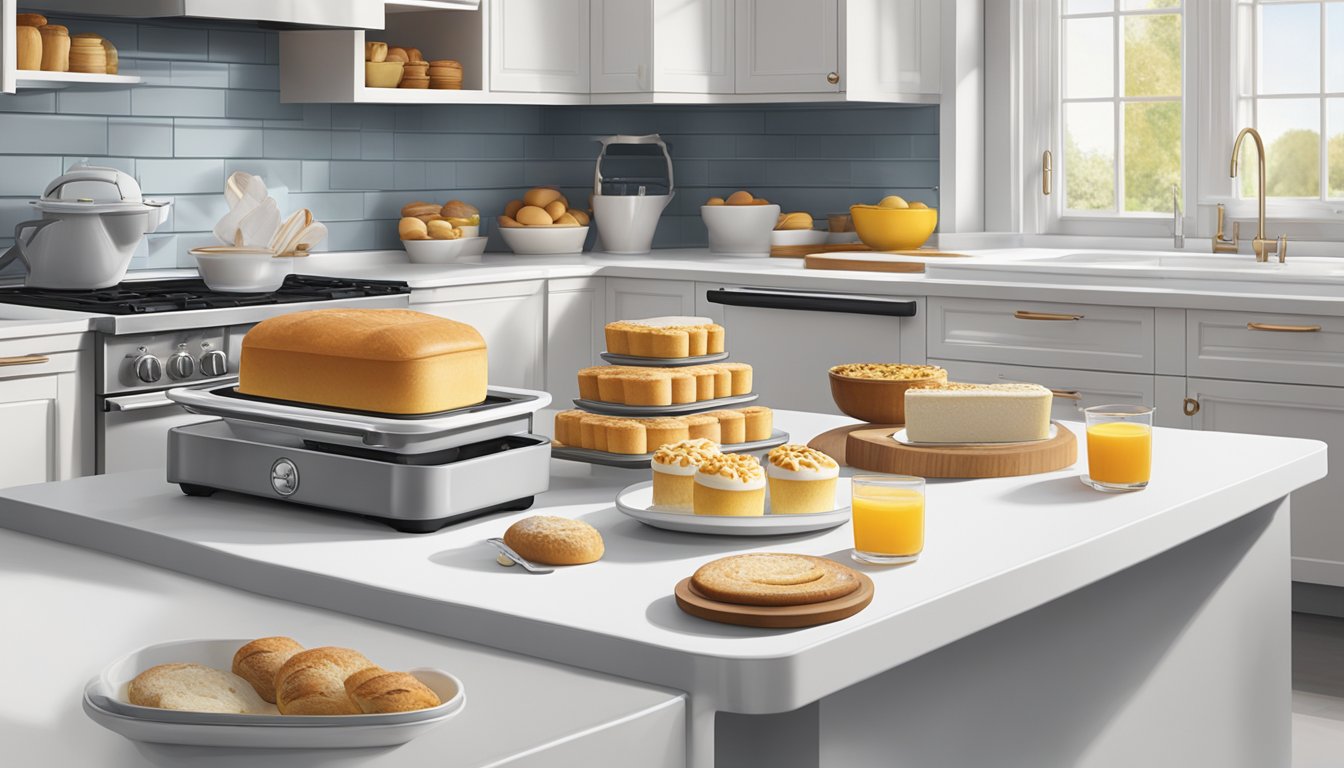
(539, 46)
(891, 48)
(666, 46)
(788, 46)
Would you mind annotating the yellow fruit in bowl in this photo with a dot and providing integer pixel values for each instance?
(893, 229)
(714, 201)
(740, 197)
(893, 201)
(919, 206)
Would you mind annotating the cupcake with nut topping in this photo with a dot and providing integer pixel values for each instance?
(730, 485)
(802, 480)
(674, 468)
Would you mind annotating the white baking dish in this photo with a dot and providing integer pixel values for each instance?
(242, 270)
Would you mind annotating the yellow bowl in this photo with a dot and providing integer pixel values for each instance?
(893, 229)
(382, 74)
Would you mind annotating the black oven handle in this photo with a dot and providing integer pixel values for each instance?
(811, 302)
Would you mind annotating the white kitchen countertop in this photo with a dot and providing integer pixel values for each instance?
(995, 549)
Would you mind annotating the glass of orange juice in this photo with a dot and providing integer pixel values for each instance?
(888, 512)
(1119, 447)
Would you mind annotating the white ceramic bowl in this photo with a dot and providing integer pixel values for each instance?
(739, 230)
(434, 251)
(797, 237)
(471, 230)
(475, 246)
(538, 241)
(242, 270)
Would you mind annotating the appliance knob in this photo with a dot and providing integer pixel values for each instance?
(214, 363)
(148, 368)
(181, 366)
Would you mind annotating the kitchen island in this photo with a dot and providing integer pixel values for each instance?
(1045, 624)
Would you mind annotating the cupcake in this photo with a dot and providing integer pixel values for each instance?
(731, 485)
(674, 468)
(802, 480)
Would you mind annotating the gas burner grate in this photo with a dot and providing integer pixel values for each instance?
(152, 296)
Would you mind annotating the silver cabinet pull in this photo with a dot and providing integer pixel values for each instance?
(1023, 314)
(1283, 328)
(24, 360)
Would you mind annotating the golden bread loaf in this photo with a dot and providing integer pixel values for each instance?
(312, 682)
(555, 540)
(377, 691)
(379, 360)
(260, 660)
(193, 688)
(774, 579)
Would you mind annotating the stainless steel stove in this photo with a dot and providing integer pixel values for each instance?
(153, 335)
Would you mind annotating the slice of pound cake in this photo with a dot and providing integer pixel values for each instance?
(978, 413)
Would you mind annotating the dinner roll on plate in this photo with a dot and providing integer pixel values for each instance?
(260, 660)
(312, 682)
(193, 688)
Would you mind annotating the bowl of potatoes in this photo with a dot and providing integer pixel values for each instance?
(439, 234)
(894, 224)
(739, 224)
(542, 222)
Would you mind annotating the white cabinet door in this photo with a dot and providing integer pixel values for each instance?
(1292, 349)
(8, 47)
(539, 46)
(693, 46)
(31, 432)
(622, 46)
(633, 299)
(788, 46)
(1290, 411)
(892, 46)
(575, 314)
(511, 317)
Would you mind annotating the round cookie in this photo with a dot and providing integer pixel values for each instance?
(555, 540)
(772, 579)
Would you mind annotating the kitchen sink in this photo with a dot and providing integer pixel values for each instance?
(1307, 275)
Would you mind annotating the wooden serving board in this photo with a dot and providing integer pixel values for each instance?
(886, 261)
(874, 449)
(832, 442)
(799, 251)
(774, 617)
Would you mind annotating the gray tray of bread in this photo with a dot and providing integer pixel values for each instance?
(663, 362)
(620, 409)
(641, 460)
(267, 693)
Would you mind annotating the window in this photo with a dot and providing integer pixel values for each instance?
(1290, 73)
(1120, 107)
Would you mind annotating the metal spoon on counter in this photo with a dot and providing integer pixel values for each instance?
(508, 552)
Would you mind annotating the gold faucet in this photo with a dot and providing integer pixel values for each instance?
(1262, 246)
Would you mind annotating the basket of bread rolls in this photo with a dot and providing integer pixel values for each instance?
(240, 687)
(438, 234)
(542, 222)
(739, 224)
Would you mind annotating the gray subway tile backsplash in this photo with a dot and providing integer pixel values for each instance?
(210, 106)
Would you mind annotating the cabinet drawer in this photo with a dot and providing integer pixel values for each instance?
(1254, 346)
(33, 360)
(1074, 390)
(1079, 336)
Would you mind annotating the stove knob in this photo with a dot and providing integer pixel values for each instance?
(148, 368)
(181, 366)
(214, 363)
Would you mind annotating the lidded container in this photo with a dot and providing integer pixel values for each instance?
(632, 184)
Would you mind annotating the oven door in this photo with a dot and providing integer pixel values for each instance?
(133, 430)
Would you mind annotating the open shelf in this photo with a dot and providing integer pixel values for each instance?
(27, 78)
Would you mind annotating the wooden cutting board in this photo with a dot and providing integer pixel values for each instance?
(886, 261)
(799, 251)
(774, 617)
(874, 449)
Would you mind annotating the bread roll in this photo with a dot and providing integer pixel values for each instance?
(411, 228)
(419, 208)
(541, 196)
(414, 54)
(555, 540)
(566, 220)
(398, 54)
(375, 51)
(362, 676)
(580, 216)
(442, 230)
(31, 20)
(715, 201)
(556, 209)
(511, 210)
(533, 216)
(312, 682)
(456, 209)
(740, 197)
(259, 661)
(511, 223)
(193, 688)
(379, 360)
(390, 692)
(796, 220)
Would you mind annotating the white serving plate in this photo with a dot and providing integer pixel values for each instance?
(642, 460)
(679, 409)
(637, 501)
(105, 703)
(901, 437)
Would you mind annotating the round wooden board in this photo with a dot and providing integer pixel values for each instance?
(774, 617)
(874, 450)
(832, 442)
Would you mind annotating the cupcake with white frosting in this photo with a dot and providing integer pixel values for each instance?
(802, 480)
(731, 484)
(674, 467)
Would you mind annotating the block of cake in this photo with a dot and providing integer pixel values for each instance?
(978, 413)
(637, 385)
(665, 337)
(801, 480)
(674, 467)
(634, 436)
(730, 484)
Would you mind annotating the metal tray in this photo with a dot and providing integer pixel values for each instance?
(642, 460)
(663, 362)
(679, 409)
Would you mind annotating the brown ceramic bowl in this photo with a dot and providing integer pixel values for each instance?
(877, 401)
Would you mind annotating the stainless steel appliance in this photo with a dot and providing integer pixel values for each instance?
(154, 335)
(417, 473)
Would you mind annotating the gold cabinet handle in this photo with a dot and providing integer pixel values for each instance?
(833, 78)
(1047, 172)
(1023, 314)
(1283, 328)
(24, 360)
(1190, 407)
(1067, 394)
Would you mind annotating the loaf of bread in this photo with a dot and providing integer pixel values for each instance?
(555, 540)
(638, 385)
(630, 436)
(260, 660)
(665, 337)
(312, 682)
(381, 360)
(377, 691)
(193, 688)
